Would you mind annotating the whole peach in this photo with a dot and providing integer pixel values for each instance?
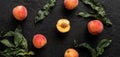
(71, 53)
(39, 40)
(20, 12)
(70, 4)
(95, 27)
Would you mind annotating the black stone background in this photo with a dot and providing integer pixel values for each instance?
(57, 42)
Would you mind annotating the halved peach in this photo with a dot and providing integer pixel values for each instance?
(63, 25)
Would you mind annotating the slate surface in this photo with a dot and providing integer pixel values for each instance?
(57, 42)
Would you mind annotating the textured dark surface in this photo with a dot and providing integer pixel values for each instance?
(57, 42)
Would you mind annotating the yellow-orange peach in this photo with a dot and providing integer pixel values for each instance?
(95, 27)
(70, 4)
(39, 40)
(71, 53)
(20, 12)
(63, 25)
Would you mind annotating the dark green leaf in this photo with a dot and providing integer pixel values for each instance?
(95, 6)
(5, 55)
(10, 33)
(76, 44)
(24, 43)
(44, 11)
(105, 20)
(21, 54)
(18, 29)
(21, 47)
(21, 50)
(7, 43)
(13, 52)
(31, 53)
(2, 53)
(99, 9)
(8, 52)
(104, 43)
(17, 38)
(25, 53)
(85, 14)
(93, 52)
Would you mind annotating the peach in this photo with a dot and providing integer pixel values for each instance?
(71, 53)
(70, 4)
(39, 40)
(20, 12)
(63, 25)
(95, 27)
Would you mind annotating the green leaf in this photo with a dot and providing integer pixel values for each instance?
(99, 49)
(5, 55)
(2, 53)
(95, 6)
(10, 33)
(86, 45)
(12, 52)
(86, 14)
(100, 12)
(24, 43)
(31, 53)
(44, 11)
(104, 43)
(104, 20)
(20, 49)
(7, 43)
(17, 39)
(21, 54)
(76, 44)
(18, 29)
(20, 40)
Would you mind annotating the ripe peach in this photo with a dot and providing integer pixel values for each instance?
(71, 53)
(39, 40)
(63, 25)
(20, 12)
(95, 27)
(70, 4)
